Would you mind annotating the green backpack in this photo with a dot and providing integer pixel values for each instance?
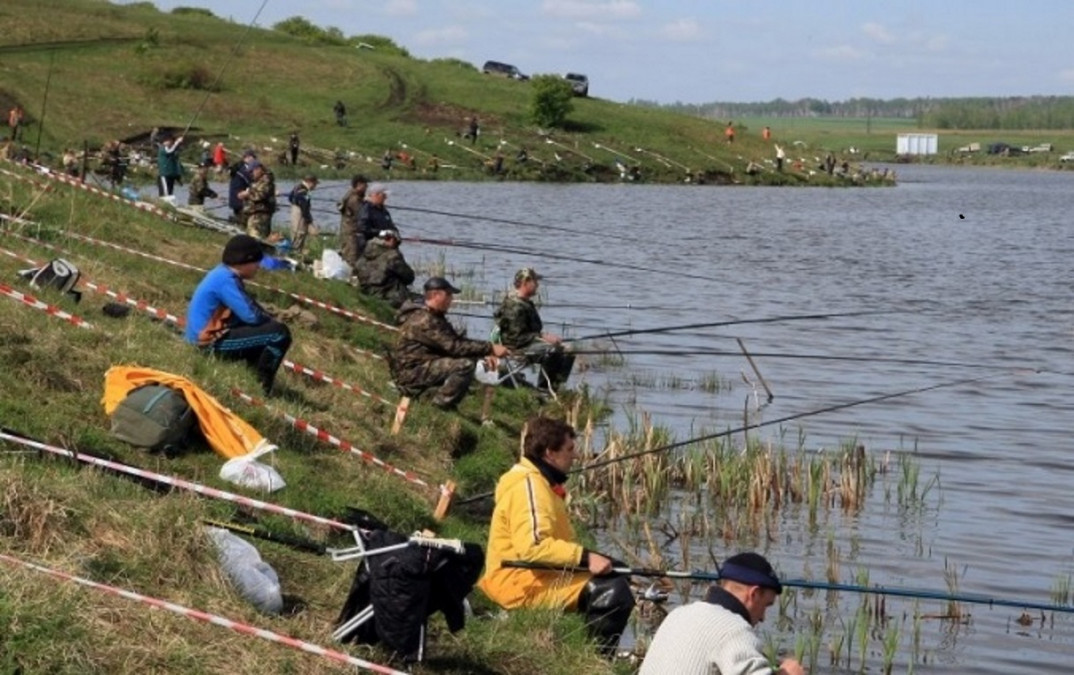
(154, 417)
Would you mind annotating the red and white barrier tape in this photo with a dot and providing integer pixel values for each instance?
(74, 182)
(51, 310)
(26, 179)
(180, 483)
(322, 377)
(205, 617)
(325, 437)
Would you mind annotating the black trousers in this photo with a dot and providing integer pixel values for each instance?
(262, 347)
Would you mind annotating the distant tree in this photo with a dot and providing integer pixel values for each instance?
(301, 28)
(552, 100)
(201, 11)
(458, 63)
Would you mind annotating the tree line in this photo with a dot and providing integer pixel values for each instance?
(984, 112)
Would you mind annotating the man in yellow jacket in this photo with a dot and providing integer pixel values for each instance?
(530, 523)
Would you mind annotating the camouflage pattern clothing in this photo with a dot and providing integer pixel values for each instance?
(259, 205)
(429, 353)
(348, 224)
(519, 323)
(199, 189)
(520, 328)
(383, 272)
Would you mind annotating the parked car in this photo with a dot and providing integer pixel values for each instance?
(503, 69)
(579, 83)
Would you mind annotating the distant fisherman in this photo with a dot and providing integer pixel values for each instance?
(259, 201)
(301, 211)
(349, 208)
(169, 170)
(199, 187)
(240, 180)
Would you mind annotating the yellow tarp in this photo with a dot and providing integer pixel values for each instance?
(227, 433)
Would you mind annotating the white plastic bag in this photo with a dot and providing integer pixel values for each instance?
(253, 578)
(246, 471)
(333, 266)
(487, 373)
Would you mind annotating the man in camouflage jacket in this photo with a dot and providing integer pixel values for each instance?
(520, 328)
(349, 207)
(382, 271)
(429, 352)
(259, 201)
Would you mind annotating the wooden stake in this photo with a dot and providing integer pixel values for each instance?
(400, 414)
(755, 370)
(447, 493)
(486, 405)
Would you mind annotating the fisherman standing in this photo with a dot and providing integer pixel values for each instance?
(520, 328)
(225, 320)
(169, 170)
(530, 523)
(349, 208)
(383, 272)
(716, 635)
(301, 211)
(259, 201)
(199, 187)
(293, 144)
(240, 181)
(429, 352)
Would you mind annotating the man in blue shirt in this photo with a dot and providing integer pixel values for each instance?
(225, 320)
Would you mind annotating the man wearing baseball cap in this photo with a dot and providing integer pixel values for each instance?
(716, 635)
(521, 329)
(429, 353)
(224, 319)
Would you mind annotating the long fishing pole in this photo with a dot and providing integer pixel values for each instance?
(44, 105)
(780, 355)
(295, 542)
(520, 223)
(234, 53)
(927, 594)
(718, 324)
(553, 256)
(757, 425)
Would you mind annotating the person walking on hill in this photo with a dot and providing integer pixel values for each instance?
(729, 132)
(14, 120)
(766, 134)
(474, 130)
(294, 145)
(531, 523)
(715, 636)
(428, 351)
(349, 208)
(223, 319)
(301, 211)
(781, 155)
(169, 169)
(340, 111)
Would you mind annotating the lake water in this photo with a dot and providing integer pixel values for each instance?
(991, 289)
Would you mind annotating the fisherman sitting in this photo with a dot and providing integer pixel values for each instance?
(430, 353)
(520, 327)
(383, 272)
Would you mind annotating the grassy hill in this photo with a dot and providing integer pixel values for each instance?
(118, 71)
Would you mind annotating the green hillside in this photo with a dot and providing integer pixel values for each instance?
(118, 71)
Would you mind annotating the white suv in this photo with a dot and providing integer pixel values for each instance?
(579, 83)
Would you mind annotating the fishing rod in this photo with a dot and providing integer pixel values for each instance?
(780, 355)
(295, 542)
(553, 256)
(718, 324)
(216, 82)
(506, 221)
(898, 591)
(757, 425)
(44, 105)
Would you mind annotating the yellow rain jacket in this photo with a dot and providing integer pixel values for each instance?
(530, 522)
(227, 433)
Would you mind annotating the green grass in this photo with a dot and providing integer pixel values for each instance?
(109, 529)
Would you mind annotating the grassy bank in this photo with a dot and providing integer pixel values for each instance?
(113, 530)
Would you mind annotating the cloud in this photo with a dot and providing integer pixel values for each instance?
(1067, 75)
(448, 35)
(841, 53)
(682, 30)
(601, 29)
(585, 9)
(878, 33)
(401, 7)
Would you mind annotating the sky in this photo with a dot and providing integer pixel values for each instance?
(699, 51)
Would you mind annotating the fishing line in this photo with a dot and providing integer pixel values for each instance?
(44, 105)
(757, 425)
(969, 598)
(717, 324)
(234, 53)
(779, 355)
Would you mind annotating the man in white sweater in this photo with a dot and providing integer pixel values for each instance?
(715, 637)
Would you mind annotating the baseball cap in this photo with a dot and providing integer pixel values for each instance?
(751, 569)
(440, 284)
(527, 273)
(254, 165)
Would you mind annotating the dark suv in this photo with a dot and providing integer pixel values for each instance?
(503, 69)
(579, 83)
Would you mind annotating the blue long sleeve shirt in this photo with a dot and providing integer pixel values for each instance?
(220, 287)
